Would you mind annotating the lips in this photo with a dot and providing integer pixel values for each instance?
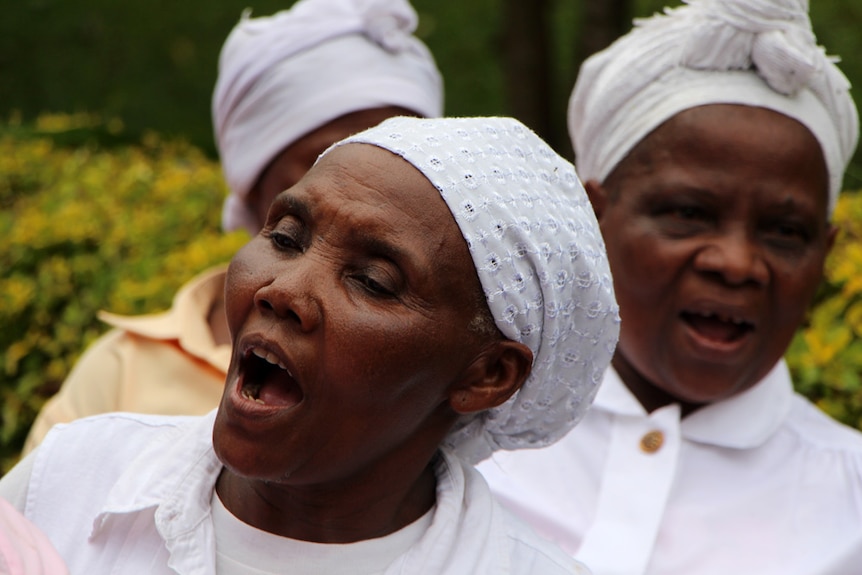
(266, 380)
(717, 327)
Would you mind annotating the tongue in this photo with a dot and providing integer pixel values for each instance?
(281, 391)
(715, 329)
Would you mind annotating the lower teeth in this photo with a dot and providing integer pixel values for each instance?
(247, 394)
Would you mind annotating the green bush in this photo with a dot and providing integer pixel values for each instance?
(826, 355)
(84, 228)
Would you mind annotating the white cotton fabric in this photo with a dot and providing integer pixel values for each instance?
(245, 550)
(539, 256)
(752, 52)
(761, 483)
(147, 508)
(285, 75)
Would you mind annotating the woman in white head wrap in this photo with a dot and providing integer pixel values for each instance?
(289, 86)
(712, 141)
(542, 265)
(748, 52)
(433, 290)
(283, 76)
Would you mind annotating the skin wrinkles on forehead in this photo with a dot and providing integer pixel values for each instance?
(289, 165)
(380, 238)
(653, 153)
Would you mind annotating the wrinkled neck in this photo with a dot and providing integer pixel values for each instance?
(330, 513)
(650, 396)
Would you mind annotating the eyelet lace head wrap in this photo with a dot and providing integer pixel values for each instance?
(282, 76)
(540, 258)
(759, 53)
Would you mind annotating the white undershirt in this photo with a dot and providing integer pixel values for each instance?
(244, 550)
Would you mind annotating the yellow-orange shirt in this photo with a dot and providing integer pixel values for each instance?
(166, 363)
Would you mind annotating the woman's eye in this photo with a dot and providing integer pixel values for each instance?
(679, 209)
(374, 286)
(682, 219)
(789, 234)
(687, 212)
(283, 241)
(790, 230)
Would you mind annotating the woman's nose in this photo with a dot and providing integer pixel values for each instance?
(735, 257)
(294, 294)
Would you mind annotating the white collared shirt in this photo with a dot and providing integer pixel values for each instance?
(762, 483)
(130, 493)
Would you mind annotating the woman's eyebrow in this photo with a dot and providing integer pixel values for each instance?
(410, 261)
(372, 243)
(286, 202)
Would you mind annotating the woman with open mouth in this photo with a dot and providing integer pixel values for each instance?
(712, 140)
(430, 292)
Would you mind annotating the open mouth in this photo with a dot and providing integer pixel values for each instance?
(718, 327)
(267, 380)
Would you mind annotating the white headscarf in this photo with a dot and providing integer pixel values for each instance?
(282, 76)
(539, 256)
(759, 53)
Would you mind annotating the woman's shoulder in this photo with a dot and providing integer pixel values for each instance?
(526, 552)
(821, 432)
(532, 554)
(119, 427)
(100, 448)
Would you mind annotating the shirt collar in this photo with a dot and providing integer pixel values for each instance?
(186, 322)
(175, 473)
(743, 421)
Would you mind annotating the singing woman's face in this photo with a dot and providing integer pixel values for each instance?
(350, 317)
(716, 229)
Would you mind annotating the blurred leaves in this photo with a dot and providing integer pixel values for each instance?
(826, 355)
(83, 228)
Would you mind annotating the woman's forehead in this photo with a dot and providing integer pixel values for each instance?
(375, 199)
(367, 174)
(756, 152)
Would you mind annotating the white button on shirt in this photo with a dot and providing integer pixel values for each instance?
(762, 483)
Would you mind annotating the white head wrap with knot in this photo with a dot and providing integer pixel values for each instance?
(282, 76)
(760, 53)
(539, 256)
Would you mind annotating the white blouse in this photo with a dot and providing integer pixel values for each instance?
(762, 483)
(133, 493)
(245, 550)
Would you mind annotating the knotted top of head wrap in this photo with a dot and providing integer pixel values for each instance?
(753, 52)
(282, 76)
(539, 256)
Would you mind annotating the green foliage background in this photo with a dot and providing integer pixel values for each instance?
(84, 228)
(826, 355)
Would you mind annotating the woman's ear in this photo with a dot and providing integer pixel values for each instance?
(598, 196)
(494, 376)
